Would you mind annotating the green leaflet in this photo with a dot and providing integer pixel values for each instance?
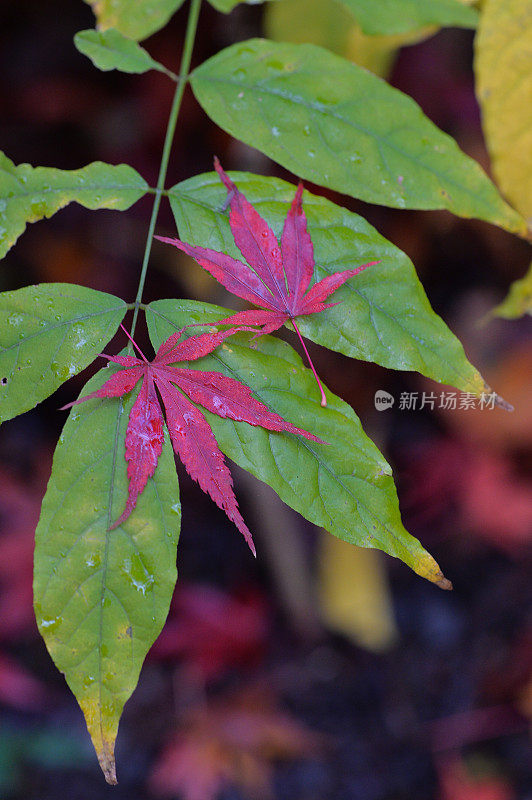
(518, 301)
(227, 5)
(48, 333)
(345, 486)
(383, 316)
(337, 125)
(101, 597)
(137, 19)
(110, 49)
(28, 194)
(398, 16)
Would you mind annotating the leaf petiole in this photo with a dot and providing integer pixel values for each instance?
(133, 342)
(311, 365)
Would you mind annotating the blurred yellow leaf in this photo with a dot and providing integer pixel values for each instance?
(333, 27)
(299, 21)
(503, 67)
(518, 300)
(354, 594)
(377, 53)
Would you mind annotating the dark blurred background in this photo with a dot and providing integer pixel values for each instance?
(318, 671)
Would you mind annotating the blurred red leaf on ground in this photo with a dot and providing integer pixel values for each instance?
(490, 498)
(212, 630)
(457, 782)
(233, 741)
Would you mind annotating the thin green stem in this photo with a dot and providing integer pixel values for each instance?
(169, 73)
(190, 35)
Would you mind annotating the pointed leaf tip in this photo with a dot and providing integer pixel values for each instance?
(108, 766)
(102, 731)
(499, 401)
(502, 403)
(426, 566)
(444, 583)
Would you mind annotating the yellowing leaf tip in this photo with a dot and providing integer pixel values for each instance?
(500, 402)
(102, 731)
(108, 766)
(428, 568)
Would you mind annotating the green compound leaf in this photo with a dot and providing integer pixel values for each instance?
(110, 49)
(345, 486)
(337, 125)
(48, 333)
(399, 16)
(137, 19)
(101, 597)
(519, 299)
(28, 194)
(383, 315)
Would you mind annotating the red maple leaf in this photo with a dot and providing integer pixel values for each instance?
(232, 741)
(191, 435)
(275, 279)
